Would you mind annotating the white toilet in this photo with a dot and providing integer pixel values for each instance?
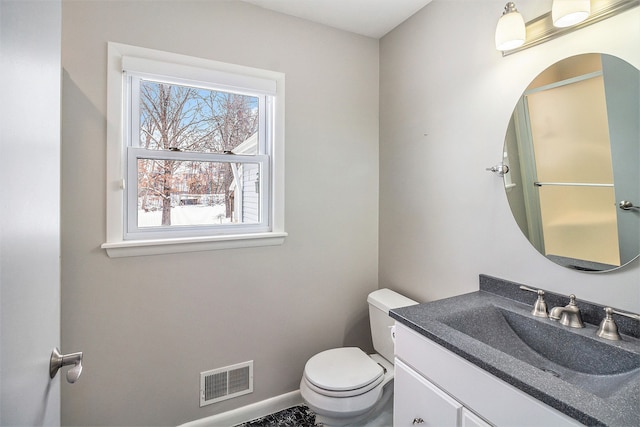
(345, 385)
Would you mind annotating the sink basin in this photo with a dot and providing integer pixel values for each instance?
(590, 379)
(591, 364)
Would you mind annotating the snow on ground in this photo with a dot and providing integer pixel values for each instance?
(185, 215)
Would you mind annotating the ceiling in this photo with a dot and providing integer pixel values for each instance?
(371, 18)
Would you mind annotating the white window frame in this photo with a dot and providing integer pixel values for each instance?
(177, 68)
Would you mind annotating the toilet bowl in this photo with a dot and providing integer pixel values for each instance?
(345, 385)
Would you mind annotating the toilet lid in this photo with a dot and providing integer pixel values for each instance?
(342, 369)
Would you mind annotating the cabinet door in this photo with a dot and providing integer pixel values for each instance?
(469, 419)
(417, 402)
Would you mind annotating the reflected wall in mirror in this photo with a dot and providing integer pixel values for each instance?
(573, 149)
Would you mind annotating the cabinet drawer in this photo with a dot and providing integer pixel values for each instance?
(417, 402)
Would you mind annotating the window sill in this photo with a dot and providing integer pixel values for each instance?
(131, 248)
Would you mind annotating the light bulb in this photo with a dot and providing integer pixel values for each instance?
(565, 13)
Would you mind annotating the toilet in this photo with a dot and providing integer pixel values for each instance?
(345, 385)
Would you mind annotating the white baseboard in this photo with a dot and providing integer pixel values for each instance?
(249, 412)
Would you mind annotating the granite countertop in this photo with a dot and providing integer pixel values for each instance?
(618, 406)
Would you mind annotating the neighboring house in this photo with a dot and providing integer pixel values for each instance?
(246, 184)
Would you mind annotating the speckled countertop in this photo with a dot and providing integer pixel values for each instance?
(617, 406)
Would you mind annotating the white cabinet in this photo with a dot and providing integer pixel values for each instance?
(418, 402)
(435, 387)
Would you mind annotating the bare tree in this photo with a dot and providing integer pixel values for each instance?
(236, 119)
(170, 119)
(181, 118)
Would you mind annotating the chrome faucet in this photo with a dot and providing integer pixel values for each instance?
(568, 315)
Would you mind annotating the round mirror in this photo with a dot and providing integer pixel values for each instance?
(573, 151)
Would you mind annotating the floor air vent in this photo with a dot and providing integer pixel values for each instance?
(225, 383)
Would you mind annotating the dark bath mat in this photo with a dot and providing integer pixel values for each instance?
(298, 416)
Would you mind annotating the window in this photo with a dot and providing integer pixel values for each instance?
(195, 154)
(197, 159)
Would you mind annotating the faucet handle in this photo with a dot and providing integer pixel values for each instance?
(608, 328)
(540, 306)
(625, 314)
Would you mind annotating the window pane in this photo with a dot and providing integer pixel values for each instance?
(185, 118)
(193, 193)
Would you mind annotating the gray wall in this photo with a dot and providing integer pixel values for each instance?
(149, 325)
(446, 96)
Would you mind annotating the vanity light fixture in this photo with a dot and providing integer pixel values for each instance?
(565, 13)
(510, 31)
(565, 17)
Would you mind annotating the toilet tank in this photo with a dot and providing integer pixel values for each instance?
(380, 302)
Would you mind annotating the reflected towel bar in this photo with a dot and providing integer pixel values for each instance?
(575, 184)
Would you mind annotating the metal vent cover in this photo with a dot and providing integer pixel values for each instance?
(225, 383)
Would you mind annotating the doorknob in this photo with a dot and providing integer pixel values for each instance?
(59, 360)
(626, 205)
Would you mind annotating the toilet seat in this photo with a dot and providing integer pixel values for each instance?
(343, 372)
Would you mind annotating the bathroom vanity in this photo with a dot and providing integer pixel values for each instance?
(483, 359)
(465, 395)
